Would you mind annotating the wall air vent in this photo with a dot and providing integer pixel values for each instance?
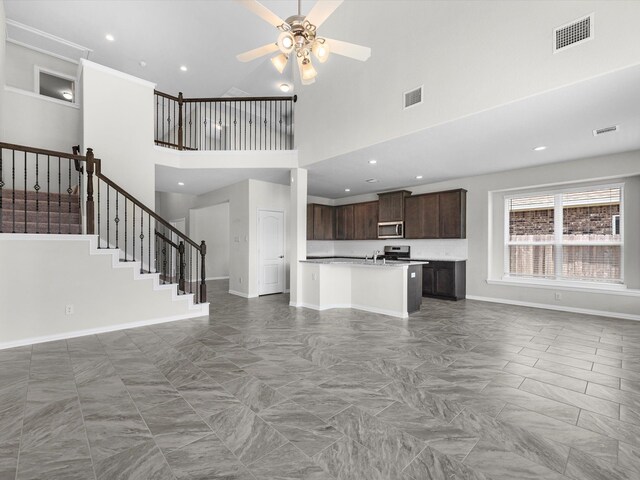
(413, 97)
(574, 33)
(372, 180)
(602, 131)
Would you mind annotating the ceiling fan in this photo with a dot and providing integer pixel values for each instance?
(299, 37)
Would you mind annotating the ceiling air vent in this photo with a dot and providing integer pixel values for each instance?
(413, 97)
(574, 33)
(602, 131)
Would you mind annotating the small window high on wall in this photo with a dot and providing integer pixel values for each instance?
(55, 85)
(569, 235)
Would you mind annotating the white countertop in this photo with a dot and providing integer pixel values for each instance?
(357, 262)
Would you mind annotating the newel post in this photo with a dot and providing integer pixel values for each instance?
(180, 134)
(181, 282)
(203, 285)
(90, 205)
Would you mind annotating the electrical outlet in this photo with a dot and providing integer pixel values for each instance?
(68, 309)
(239, 279)
(558, 296)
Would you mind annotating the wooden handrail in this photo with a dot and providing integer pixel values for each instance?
(165, 95)
(142, 206)
(164, 238)
(293, 98)
(41, 151)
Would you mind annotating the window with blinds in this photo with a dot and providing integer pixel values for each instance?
(572, 235)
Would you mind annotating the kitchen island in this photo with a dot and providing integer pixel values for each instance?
(387, 287)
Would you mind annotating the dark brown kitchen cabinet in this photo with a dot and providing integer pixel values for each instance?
(421, 217)
(453, 214)
(436, 215)
(320, 222)
(442, 279)
(391, 206)
(365, 219)
(345, 226)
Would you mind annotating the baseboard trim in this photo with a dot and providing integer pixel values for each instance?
(364, 308)
(239, 294)
(216, 278)
(559, 308)
(95, 331)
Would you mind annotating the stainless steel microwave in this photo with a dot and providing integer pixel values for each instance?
(391, 230)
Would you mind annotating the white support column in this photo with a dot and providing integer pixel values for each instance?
(298, 231)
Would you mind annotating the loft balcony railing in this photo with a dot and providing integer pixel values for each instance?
(49, 192)
(230, 123)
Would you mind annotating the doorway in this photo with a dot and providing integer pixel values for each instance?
(271, 260)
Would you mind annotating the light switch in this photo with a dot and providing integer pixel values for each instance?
(413, 274)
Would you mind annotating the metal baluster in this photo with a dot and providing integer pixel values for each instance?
(260, 129)
(36, 187)
(191, 270)
(1, 185)
(69, 192)
(13, 186)
(235, 126)
(48, 194)
(117, 219)
(25, 192)
(59, 195)
(108, 220)
(164, 261)
(133, 235)
(126, 227)
(141, 241)
(163, 101)
(80, 199)
(99, 239)
(149, 246)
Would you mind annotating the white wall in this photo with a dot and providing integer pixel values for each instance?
(510, 57)
(29, 118)
(244, 199)
(482, 228)
(118, 124)
(211, 224)
(3, 68)
(50, 272)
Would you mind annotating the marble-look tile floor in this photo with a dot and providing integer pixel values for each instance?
(259, 390)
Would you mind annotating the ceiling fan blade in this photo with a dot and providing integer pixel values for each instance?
(257, 52)
(262, 11)
(351, 50)
(322, 10)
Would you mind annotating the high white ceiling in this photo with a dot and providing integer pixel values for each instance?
(206, 35)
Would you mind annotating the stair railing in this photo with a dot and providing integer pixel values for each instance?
(228, 123)
(40, 190)
(60, 186)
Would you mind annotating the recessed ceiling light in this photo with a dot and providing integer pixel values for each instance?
(418, 177)
(347, 189)
(372, 162)
(142, 63)
(540, 148)
(181, 184)
(285, 87)
(183, 68)
(67, 95)
(109, 37)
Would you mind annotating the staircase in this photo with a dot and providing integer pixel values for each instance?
(90, 250)
(40, 212)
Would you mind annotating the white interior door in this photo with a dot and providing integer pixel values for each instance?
(270, 252)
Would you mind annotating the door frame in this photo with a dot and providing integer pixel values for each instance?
(284, 248)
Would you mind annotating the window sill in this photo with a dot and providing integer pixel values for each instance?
(608, 289)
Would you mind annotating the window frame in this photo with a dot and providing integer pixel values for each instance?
(558, 243)
(36, 83)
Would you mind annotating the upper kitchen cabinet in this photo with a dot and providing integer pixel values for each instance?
(422, 216)
(365, 219)
(320, 222)
(453, 214)
(345, 227)
(391, 206)
(436, 215)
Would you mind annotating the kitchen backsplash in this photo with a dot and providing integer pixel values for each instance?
(425, 249)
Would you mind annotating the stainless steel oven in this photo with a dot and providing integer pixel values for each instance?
(391, 230)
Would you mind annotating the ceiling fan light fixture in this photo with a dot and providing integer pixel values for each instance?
(285, 42)
(308, 72)
(280, 62)
(320, 49)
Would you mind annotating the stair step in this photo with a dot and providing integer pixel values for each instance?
(41, 217)
(41, 194)
(33, 227)
(8, 203)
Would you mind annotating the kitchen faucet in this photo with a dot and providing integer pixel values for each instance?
(375, 255)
